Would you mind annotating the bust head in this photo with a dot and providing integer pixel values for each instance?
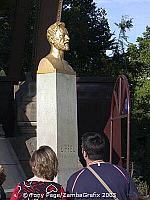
(57, 35)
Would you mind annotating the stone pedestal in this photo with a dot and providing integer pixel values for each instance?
(57, 119)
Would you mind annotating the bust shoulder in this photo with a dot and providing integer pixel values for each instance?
(50, 64)
(45, 66)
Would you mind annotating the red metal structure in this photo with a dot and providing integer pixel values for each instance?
(120, 108)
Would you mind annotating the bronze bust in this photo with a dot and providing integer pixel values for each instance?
(58, 38)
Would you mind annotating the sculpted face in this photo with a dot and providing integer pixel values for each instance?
(61, 39)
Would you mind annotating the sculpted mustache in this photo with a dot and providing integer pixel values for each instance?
(66, 42)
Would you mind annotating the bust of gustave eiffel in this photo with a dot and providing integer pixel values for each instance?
(58, 38)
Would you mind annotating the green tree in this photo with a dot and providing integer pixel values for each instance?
(90, 36)
(144, 48)
(139, 65)
(125, 24)
(138, 56)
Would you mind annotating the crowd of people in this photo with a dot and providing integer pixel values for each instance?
(98, 180)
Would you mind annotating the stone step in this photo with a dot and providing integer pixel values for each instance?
(8, 159)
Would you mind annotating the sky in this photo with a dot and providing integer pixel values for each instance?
(139, 10)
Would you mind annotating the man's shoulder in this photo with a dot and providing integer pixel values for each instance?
(76, 174)
(122, 170)
(73, 179)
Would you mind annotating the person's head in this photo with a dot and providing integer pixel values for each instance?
(57, 35)
(44, 163)
(93, 146)
(2, 175)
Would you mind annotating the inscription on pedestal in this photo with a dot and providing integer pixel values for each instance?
(67, 148)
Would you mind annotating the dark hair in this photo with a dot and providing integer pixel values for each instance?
(94, 145)
(44, 163)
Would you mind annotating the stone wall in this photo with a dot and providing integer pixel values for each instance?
(7, 106)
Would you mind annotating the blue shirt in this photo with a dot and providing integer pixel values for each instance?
(84, 185)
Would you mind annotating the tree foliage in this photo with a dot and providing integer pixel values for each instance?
(8, 18)
(139, 55)
(124, 25)
(90, 35)
(5, 30)
(139, 64)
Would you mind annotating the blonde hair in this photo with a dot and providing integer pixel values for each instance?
(44, 163)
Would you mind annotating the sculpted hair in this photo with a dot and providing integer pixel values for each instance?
(94, 145)
(52, 30)
(44, 163)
